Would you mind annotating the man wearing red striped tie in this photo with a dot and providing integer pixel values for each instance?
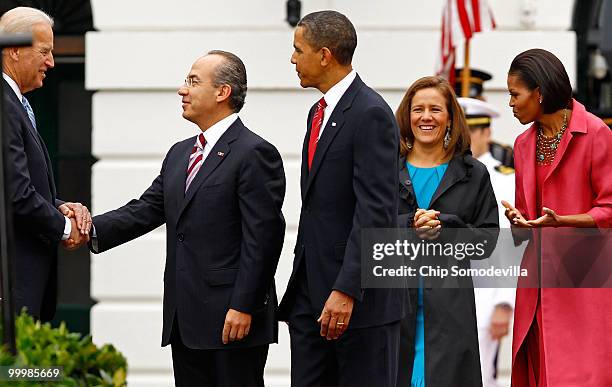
(341, 333)
(220, 195)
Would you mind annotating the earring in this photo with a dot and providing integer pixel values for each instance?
(447, 138)
(540, 100)
(408, 143)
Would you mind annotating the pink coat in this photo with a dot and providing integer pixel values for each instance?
(577, 323)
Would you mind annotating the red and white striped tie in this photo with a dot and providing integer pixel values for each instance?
(196, 159)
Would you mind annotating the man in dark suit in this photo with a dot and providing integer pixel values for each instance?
(341, 333)
(40, 220)
(220, 195)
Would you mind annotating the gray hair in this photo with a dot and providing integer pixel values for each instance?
(233, 73)
(22, 19)
(333, 30)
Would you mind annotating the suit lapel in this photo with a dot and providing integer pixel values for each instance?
(333, 126)
(176, 177)
(19, 107)
(8, 91)
(216, 156)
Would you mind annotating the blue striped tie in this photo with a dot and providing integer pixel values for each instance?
(29, 110)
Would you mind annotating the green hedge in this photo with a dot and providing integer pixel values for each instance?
(84, 364)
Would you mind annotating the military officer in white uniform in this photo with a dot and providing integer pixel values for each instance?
(494, 306)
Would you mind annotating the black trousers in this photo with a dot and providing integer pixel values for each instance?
(236, 367)
(359, 358)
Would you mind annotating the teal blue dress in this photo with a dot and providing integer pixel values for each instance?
(425, 181)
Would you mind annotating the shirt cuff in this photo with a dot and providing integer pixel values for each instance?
(94, 239)
(67, 229)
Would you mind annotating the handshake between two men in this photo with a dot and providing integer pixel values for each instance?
(80, 221)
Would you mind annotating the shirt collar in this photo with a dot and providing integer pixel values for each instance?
(215, 132)
(333, 95)
(13, 86)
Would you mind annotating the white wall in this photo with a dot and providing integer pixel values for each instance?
(140, 55)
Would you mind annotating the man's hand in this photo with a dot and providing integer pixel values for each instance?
(500, 321)
(336, 315)
(236, 327)
(80, 213)
(76, 239)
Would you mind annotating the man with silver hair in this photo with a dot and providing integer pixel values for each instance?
(40, 219)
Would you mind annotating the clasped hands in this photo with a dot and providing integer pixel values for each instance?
(549, 219)
(426, 224)
(80, 219)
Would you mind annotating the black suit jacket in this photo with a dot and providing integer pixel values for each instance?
(38, 225)
(224, 236)
(352, 185)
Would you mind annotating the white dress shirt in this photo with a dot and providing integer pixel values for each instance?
(333, 95)
(13, 86)
(215, 132)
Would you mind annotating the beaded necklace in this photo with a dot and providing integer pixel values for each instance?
(546, 147)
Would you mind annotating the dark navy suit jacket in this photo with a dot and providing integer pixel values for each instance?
(224, 236)
(38, 225)
(351, 185)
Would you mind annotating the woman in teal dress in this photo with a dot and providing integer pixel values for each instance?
(441, 186)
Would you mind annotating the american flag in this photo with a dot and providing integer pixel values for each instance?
(461, 19)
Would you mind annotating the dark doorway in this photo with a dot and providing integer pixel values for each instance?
(64, 110)
(592, 22)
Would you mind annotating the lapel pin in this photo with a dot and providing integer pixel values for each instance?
(220, 154)
(333, 124)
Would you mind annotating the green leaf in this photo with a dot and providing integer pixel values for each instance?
(85, 365)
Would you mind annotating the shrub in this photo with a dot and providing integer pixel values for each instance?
(84, 364)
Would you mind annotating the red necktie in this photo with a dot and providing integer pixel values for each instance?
(315, 129)
(195, 159)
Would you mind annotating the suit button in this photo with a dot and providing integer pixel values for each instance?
(181, 237)
(307, 209)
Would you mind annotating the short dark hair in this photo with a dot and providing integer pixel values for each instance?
(538, 68)
(233, 73)
(333, 30)
(459, 132)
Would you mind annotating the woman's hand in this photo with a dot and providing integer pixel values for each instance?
(426, 223)
(514, 216)
(549, 219)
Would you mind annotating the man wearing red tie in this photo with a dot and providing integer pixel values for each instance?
(341, 333)
(220, 195)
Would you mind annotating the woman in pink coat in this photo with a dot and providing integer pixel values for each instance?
(562, 336)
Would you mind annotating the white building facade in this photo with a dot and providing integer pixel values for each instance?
(141, 53)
